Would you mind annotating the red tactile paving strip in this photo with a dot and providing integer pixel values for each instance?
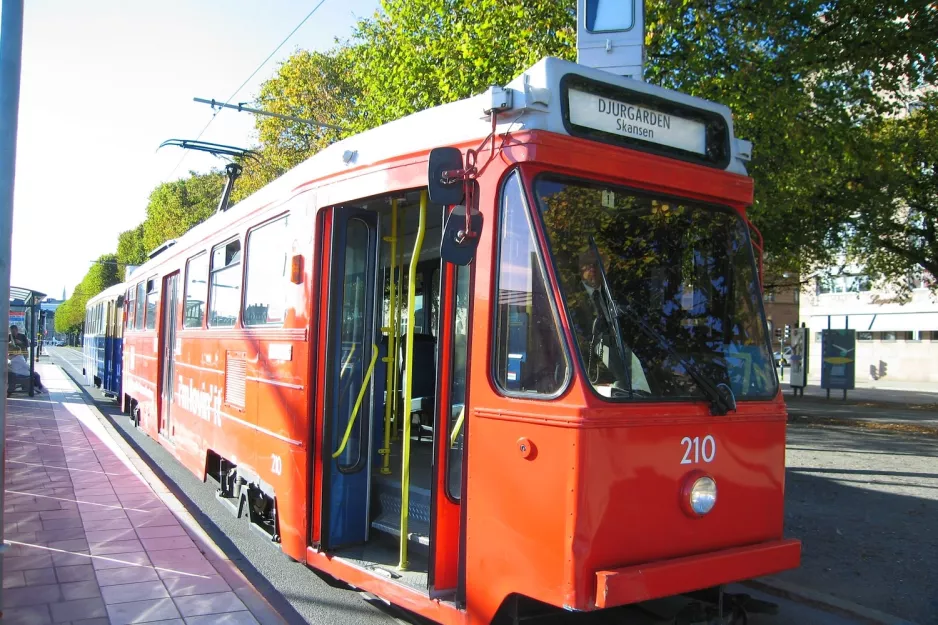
(89, 541)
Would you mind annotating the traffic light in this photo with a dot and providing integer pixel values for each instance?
(787, 331)
(778, 334)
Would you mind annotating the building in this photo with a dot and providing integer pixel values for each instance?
(780, 300)
(48, 308)
(897, 335)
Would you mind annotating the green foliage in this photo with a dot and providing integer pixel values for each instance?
(130, 247)
(175, 207)
(808, 82)
(815, 84)
(104, 272)
(422, 53)
(309, 85)
(895, 226)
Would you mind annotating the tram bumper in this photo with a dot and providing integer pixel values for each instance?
(644, 582)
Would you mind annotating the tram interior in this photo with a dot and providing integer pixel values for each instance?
(381, 551)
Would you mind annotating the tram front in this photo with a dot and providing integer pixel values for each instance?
(632, 370)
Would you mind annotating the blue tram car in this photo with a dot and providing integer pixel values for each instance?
(102, 347)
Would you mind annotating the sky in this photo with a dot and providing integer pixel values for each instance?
(104, 82)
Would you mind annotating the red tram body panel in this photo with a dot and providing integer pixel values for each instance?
(564, 497)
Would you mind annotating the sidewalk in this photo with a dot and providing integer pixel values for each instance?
(93, 536)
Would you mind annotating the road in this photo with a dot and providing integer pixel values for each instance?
(864, 504)
(296, 591)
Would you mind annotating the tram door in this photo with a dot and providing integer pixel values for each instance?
(349, 401)
(167, 349)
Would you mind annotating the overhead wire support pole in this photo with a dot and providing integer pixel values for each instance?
(11, 58)
(241, 108)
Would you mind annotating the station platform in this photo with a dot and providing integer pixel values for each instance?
(93, 537)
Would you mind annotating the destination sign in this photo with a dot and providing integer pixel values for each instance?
(626, 119)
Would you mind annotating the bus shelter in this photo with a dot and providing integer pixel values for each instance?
(24, 313)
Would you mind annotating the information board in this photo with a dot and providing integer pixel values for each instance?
(798, 360)
(838, 359)
(18, 319)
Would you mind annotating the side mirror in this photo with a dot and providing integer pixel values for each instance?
(456, 247)
(447, 192)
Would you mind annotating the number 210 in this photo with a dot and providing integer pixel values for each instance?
(706, 451)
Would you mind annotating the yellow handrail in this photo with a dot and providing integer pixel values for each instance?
(409, 378)
(458, 426)
(358, 402)
(397, 369)
(390, 360)
(348, 359)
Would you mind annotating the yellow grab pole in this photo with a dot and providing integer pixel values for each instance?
(458, 426)
(358, 402)
(390, 360)
(397, 325)
(409, 376)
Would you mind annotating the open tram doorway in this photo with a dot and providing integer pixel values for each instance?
(170, 301)
(377, 283)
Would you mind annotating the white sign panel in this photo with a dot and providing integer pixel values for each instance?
(636, 121)
(798, 359)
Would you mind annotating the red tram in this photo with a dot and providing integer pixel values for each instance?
(567, 396)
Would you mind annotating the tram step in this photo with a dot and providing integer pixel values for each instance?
(387, 506)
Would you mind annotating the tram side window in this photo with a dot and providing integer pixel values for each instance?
(196, 290)
(129, 309)
(457, 418)
(529, 357)
(153, 296)
(141, 299)
(226, 285)
(265, 286)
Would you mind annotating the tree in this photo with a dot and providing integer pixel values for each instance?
(309, 85)
(130, 247)
(895, 227)
(177, 206)
(811, 82)
(808, 81)
(423, 53)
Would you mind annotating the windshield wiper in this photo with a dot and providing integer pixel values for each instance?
(613, 322)
(721, 396)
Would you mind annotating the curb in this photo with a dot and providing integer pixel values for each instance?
(256, 603)
(823, 601)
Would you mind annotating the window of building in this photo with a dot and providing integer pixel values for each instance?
(891, 336)
(769, 296)
(141, 299)
(817, 337)
(226, 284)
(529, 357)
(268, 273)
(196, 291)
(153, 296)
(864, 336)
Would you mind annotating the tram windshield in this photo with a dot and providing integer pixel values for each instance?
(662, 294)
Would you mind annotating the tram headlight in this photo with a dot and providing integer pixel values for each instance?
(699, 494)
(703, 495)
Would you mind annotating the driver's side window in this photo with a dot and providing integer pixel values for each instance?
(529, 355)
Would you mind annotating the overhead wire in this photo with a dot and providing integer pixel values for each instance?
(248, 79)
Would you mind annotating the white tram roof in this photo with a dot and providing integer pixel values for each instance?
(535, 105)
(112, 292)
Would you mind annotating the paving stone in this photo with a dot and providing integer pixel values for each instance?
(193, 605)
(31, 595)
(36, 577)
(78, 609)
(126, 575)
(80, 590)
(142, 611)
(79, 573)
